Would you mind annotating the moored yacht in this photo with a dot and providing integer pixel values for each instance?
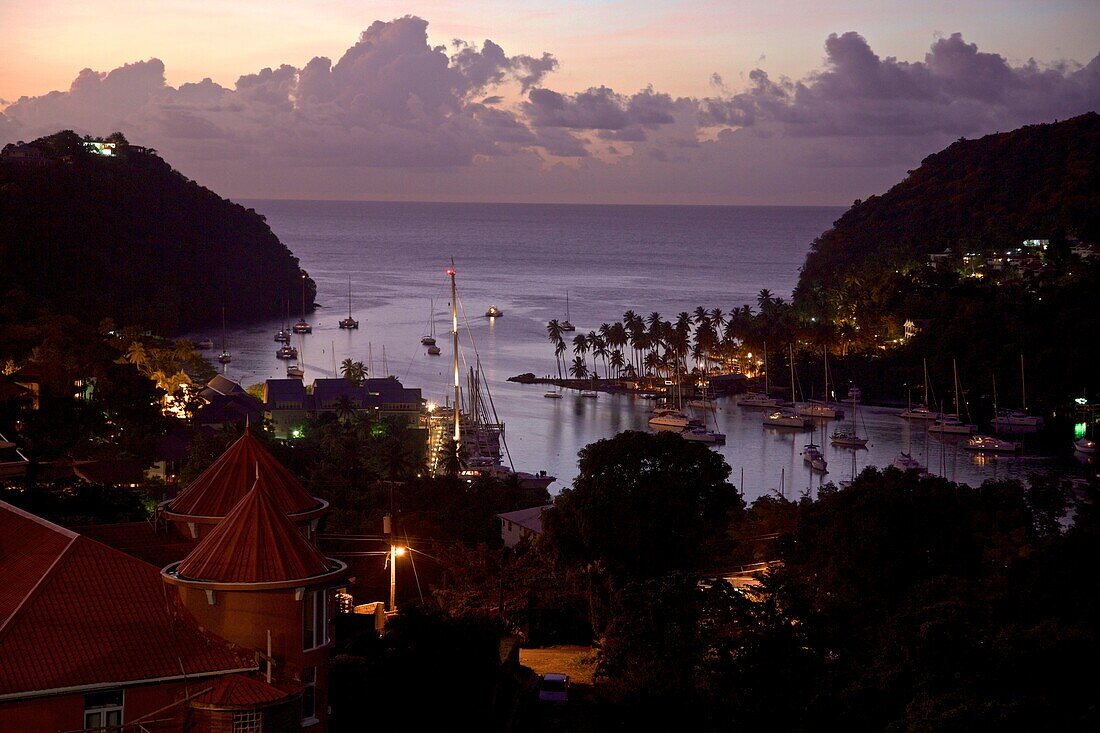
(302, 327)
(206, 344)
(1086, 446)
(847, 437)
(756, 399)
(813, 456)
(781, 419)
(919, 412)
(349, 322)
(905, 462)
(702, 435)
(433, 350)
(294, 371)
(820, 409)
(1016, 420)
(989, 444)
(494, 312)
(283, 335)
(951, 425)
(669, 418)
(552, 395)
(286, 351)
(567, 325)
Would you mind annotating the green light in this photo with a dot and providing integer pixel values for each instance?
(1079, 430)
(296, 433)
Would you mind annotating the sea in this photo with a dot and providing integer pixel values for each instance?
(525, 259)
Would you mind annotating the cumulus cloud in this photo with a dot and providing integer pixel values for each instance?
(395, 111)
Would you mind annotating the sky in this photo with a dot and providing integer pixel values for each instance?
(665, 101)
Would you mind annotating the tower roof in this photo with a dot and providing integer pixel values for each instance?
(227, 480)
(255, 543)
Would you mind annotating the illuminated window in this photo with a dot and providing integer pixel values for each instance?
(248, 721)
(103, 711)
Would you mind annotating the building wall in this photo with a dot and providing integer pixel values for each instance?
(66, 712)
(244, 618)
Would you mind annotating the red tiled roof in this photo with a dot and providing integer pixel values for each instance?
(222, 486)
(255, 543)
(80, 613)
(242, 691)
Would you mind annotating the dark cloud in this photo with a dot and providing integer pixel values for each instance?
(394, 110)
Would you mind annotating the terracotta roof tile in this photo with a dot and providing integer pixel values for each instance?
(87, 614)
(222, 486)
(255, 543)
(242, 691)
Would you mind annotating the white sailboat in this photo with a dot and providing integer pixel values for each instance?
(759, 399)
(921, 411)
(303, 326)
(225, 357)
(786, 418)
(848, 435)
(1018, 421)
(429, 340)
(821, 409)
(349, 322)
(953, 424)
(567, 325)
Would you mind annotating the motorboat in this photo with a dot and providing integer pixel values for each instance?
(433, 350)
(781, 419)
(951, 425)
(206, 344)
(589, 394)
(756, 399)
(905, 462)
(494, 312)
(349, 322)
(1086, 446)
(286, 351)
(812, 456)
(283, 335)
(294, 371)
(702, 435)
(989, 444)
(302, 327)
(552, 395)
(847, 437)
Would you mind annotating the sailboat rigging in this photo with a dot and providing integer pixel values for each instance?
(349, 322)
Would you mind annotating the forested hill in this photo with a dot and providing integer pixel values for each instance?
(1036, 182)
(128, 237)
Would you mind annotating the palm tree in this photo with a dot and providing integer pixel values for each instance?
(353, 371)
(764, 298)
(700, 316)
(553, 330)
(137, 356)
(617, 361)
(579, 368)
(717, 317)
(580, 345)
(345, 409)
(559, 355)
(599, 349)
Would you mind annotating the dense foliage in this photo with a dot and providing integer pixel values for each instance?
(1034, 182)
(130, 238)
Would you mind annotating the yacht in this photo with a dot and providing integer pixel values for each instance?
(1018, 421)
(855, 393)
(349, 322)
(295, 372)
(813, 456)
(494, 312)
(589, 394)
(781, 419)
(1086, 446)
(905, 462)
(433, 350)
(669, 418)
(552, 395)
(567, 325)
(206, 344)
(847, 437)
(429, 340)
(283, 335)
(286, 351)
(302, 327)
(920, 411)
(951, 425)
(821, 409)
(756, 399)
(702, 435)
(989, 444)
(225, 357)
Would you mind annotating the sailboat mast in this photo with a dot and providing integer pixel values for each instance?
(955, 371)
(926, 403)
(567, 305)
(454, 336)
(349, 297)
(826, 351)
(794, 398)
(1023, 386)
(765, 368)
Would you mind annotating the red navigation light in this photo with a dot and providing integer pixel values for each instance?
(450, 271)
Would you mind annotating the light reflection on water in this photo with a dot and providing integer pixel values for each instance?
(523, 259)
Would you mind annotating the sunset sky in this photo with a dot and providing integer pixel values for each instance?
(750, 102)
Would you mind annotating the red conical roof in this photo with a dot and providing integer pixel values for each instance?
(255, 543)
(222, 486)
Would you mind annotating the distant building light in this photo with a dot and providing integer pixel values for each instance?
(100, 148)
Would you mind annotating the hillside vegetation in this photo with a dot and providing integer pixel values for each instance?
(131, 239)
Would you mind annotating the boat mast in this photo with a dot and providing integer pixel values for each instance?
(1023, 387)
(926, 403)
(349, 297)
(794, 398)
(567, 305)
(765, 368)
(955, 371)
(454, 336)
(826, 351)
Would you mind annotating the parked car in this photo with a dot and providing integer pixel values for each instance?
(554, 688)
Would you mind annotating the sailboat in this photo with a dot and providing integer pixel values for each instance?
(905, 462)
(952, 424)
(303, 326)
(567, 325)
(429, 340)
(848, 435)
(822, 409)
(703, 434)
(921, 411)
(478, 431)
(225, 357)
(348, 322)
(812, 456)
(283, 334)
(1018, 421)
(788, 418)
(759, 399)
(672, 418)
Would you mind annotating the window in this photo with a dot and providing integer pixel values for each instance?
(309, 694)
(314, 619)
(248, 721)
(103, 710)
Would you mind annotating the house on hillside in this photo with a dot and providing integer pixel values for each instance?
(226, 404)
(522, 524)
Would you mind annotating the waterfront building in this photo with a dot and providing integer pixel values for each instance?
(289, 404)
(522, 524)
